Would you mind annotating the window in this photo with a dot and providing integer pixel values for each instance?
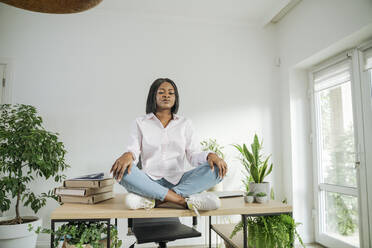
(334, 153)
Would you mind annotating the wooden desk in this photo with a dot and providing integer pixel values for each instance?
(114, 209)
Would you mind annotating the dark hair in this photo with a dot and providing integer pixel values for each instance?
(151, 98)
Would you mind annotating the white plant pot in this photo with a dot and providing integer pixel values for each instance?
(14, 236)
(261, 199)
(260, 187)
(249, 198)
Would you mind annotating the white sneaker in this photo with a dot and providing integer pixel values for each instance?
(133, 201)
(203, 201)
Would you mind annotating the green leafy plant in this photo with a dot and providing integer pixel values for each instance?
(278, 231)
(246, 182)
(81, 233)
(254, 162)
(27, 151)
(250, 193)
(261, 194)
(212, 145)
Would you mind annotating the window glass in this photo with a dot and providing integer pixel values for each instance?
(341, 217)
(337, 136)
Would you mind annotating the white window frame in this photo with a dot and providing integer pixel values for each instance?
(358, 124)
(366, 157)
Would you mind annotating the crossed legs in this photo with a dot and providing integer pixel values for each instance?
(194, 181)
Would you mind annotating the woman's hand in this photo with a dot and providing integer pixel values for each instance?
(121, 164)
(213, 159)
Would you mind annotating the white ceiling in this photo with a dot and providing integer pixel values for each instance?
(256, 11)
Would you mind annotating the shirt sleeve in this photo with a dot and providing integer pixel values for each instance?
(133, 144)
(194, 153)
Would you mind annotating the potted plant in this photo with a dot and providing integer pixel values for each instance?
(213, 146)
(256, 165)
(27, 152)
(278, 231)
(261, 197)
(249, 197)
(77, 234)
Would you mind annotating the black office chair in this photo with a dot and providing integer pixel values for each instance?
(160, 230)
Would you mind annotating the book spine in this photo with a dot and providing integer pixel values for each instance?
(102, 197)
(92, 199)
(88, 183)
(92, 191)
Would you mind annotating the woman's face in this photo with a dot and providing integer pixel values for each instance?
(165, 97)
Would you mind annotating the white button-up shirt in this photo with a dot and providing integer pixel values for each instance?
(164, 150)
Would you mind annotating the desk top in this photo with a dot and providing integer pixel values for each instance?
(114, 208)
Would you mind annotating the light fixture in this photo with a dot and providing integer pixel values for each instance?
(53, 6)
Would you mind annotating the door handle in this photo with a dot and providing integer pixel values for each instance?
(357, 165)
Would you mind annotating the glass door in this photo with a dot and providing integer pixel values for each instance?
(335, 155)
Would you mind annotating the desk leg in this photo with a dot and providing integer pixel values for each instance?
(108, 233)
(52, 234)
(244, 220)
(210, 231)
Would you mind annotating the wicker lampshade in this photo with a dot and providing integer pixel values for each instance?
(53, 6)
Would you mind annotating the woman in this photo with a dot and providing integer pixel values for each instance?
(165, 140)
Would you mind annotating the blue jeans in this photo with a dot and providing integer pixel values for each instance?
(194, 181)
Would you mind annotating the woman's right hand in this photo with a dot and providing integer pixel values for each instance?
(121, 164)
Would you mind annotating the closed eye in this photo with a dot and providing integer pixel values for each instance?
(170, 93)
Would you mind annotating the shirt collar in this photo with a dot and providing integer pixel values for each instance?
(151, 115)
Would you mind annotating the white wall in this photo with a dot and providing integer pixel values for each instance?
(311, 32)
(89, 74)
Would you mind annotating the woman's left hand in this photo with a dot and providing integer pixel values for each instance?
(213, 159)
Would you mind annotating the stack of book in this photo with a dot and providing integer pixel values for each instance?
(89, 189)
